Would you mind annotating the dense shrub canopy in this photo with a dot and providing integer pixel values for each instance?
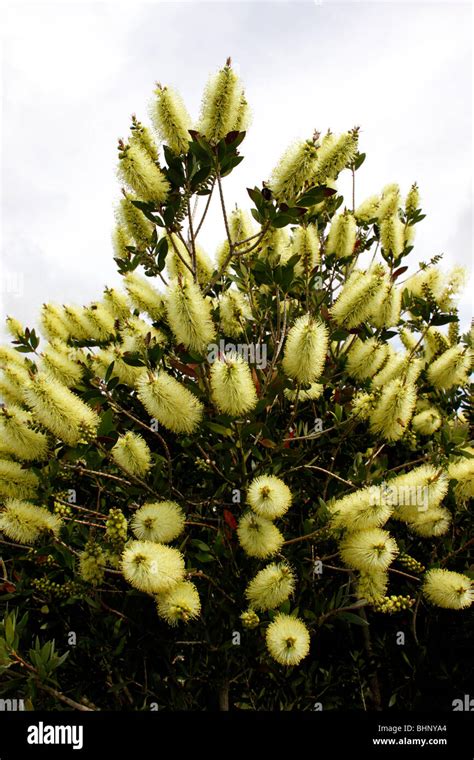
(239, 469)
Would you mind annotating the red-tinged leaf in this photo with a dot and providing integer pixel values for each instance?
(267, 443)
(398, 272)
(186, 369)
(7, 588)
(230, 519)
(325, 313)
(291, 434)
(256, 381)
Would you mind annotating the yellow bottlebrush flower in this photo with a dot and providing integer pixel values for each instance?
(360, 297)
(342, 235)
(189, 315)
(372, 586)
(362, 405)
(139, 335)
(271, 587)
(389, 202)
(309, 394)
(434, 344)
(456, 280)
(140, 137)
(171, 119)
(117, 303)
(364, 358)
(408, 338)
(393, 367)
(161, 522)
(141, 174)
(240, 228)
(451, 368)
(420, 490)
(393, 410)
(127, 374)
(234, 313)
(92, 563)
(295, 171)
(412, 201)
(18, 438)
(269, 496)
(276, 247)
(11, 391)
(62, 363)
(52, 322)
(335, 154)
(134, 221)
(26, 523)
(306, 245)
(462, 470)
(233, 390)
(409, 233)
(8, 357)
(175, 265)
(392, 235)
(427, 421)
(76, 320)
(305, 350)
(221, 105)
(101, 321)
(14, 327)
(258, 536)
(179, 605)
(434, 522)
(152, 568)
(121, 240)
(429, 280)
(169, 402)
(368, 550)
(60, 411)
(363, 509)
(447, 589)
(143, 295)
(243, 115)
(368, 209)
(388, 313)
(287, 639)
(132, 454)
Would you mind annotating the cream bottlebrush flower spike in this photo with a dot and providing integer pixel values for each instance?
(388, 314)
(18, 438)
(307, 246)
(175, 265)
(389, 202)
(189, 315)
(52, 322)
(372, 586)
(60, 411)
(305, 350)
(269, 496)
(421, 489)
(101, 323)
(169, 402)
(144, 296)
(363, 509)
(427, 421)
(234, 312)
(392, 235)
(127, 374)
(335, 154)
(258, 536)
(161, 521)
(364, 358)
(271, 587)
(179, 605)
(434, 522)
(309, 394)
(451, 368)
(117, 303)
(139, 172)
(412, 201)
(132, 454)
(294, 171)
(342, 235)
(27, 523)
(368, 209)
(17, 482)
(360, 297)
(141, 137)
(135, 222)
(152, 568)
(121, 240)
(447, 589)
(240, 228)
(63, 363)
(221, 108)
(233, 390)
(287, 639)
(393, 410)
(171, 119)
(368, 550)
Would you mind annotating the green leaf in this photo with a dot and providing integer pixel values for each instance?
(216, 428)
(134, 360)
(443, 319)
(349, 617)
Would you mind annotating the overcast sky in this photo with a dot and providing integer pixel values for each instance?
(72, 73)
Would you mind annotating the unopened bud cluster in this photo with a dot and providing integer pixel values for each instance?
(250, 619)
(54, 589)
(411, 563)
(116, 527)
(390, 604)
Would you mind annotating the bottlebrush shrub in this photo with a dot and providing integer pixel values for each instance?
(258, 441)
